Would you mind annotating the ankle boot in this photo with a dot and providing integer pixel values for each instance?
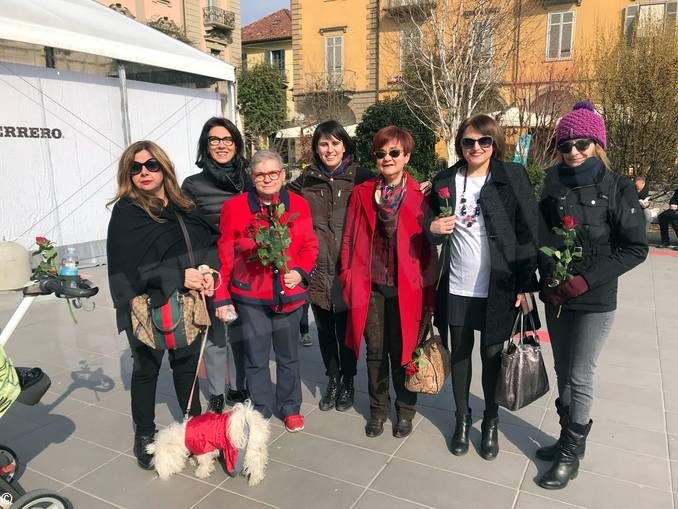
(329, 399)
(346, 394)
(459, 445)
(566, 466)
(489, 443)
(144, 460)
(550, 452)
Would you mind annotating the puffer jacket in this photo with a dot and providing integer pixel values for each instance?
(209, 189)
(610, 233)
(328, 199)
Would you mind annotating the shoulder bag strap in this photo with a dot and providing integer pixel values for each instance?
(187, 238)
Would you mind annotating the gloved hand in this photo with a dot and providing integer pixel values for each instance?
(573, 287)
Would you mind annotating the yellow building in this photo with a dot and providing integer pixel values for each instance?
(357, 46)
(269, 40)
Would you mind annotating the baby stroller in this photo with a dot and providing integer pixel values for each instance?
(27, 386)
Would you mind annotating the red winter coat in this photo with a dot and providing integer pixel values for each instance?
(244, 279)
(416, 263)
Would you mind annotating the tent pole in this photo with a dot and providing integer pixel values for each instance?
(122, 76)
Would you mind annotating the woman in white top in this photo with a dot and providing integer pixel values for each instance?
(488, 262)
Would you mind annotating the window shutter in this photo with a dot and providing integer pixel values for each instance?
(554, 36)
(566, 41)
(630, 21)
(672, 13)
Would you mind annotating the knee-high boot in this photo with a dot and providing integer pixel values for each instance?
(566, 466)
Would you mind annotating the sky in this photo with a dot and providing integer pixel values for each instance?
(252, 10)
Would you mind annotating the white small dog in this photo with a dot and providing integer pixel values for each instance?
(240, 435)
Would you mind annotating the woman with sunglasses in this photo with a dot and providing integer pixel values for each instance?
(611, 240)
(147, 253)
(386, 270)
(268, 299)
(223, 177)
(327, 185)
(484, 213)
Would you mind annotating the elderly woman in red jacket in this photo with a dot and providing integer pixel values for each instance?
(267, 287)
(387, 272)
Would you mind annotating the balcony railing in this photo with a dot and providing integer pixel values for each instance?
(216, 17)
(548, 3)
(411, 8)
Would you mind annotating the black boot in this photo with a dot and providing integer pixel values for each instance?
(216, 404)
(459, 445)
(329, 399)
(144, 460)
(489, 443)
(346, 394)
(550, 452)
(566, 466)
(374, 426)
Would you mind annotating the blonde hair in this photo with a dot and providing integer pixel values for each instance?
(599, 152)
(150, 203)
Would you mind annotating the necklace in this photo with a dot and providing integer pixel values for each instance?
(469, 218)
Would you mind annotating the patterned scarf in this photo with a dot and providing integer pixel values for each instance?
(345, 163)
(388, 199)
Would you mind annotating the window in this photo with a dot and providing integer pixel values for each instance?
(276, 59)
(638, 18)
(334, 60)
(560, 36)
(410, 39)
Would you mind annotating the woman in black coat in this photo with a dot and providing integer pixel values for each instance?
(148, 254)
(488, 263)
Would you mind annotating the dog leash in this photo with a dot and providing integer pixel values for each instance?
(197, 366)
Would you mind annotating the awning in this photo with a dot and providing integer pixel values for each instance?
(512, 118)
(89, 27)
(298, 132)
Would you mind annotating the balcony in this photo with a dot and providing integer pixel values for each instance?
(413, 9)
(218, 18)
(549, 3)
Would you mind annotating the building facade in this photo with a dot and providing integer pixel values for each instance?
(355, 48)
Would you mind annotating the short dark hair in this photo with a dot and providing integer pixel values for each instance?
(334, 129)
(395, 133)
(489, 127)
(203, 150)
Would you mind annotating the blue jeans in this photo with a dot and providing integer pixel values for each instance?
(577, 338)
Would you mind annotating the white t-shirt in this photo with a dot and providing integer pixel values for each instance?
(469, 249)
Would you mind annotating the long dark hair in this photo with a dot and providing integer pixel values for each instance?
(334, 129)
(203, 149)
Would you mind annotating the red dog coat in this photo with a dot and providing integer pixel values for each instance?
(208, 432)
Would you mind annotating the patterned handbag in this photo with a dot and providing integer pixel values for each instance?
(178, 321)
(432, 361)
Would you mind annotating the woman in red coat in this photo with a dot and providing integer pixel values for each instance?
(387, 269)
(268, 298)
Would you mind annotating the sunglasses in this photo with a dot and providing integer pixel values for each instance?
(380, 154)
(215, 140)
(272, 175)
(483, 141)
(150, 164)
(581, 145)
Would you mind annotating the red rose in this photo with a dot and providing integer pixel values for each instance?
(411, 368)
(444, 193)
(276, 199)
(40, 241)
(569, 222)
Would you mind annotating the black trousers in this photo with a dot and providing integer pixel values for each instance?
(462, 345)
(147, 362)
(303, 324)
(339, 360)
(261, 329)
(384, 343)
(666, 218)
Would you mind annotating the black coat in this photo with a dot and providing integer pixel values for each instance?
(328, 199)
(610, 231)
(509, 209)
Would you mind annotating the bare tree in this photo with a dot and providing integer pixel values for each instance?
(457, 54)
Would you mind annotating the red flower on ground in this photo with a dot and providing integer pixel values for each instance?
(40, 241)
(444, 193)
(569, 222)
(411, 369)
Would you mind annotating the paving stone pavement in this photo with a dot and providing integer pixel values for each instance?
(78, 439)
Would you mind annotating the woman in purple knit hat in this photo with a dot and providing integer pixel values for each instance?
(581, 192)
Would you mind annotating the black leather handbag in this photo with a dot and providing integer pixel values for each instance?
(522, 377)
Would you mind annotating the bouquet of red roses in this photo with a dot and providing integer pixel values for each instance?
(271, 234)
(565, 256)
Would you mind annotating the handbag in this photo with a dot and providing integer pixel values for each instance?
(178, 322)
(522, 377)
(432, 361)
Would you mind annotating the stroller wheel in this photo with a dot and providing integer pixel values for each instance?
(42, 499)
(9, 464)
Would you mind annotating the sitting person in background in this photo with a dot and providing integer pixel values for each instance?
(643, 191)
(669, 216)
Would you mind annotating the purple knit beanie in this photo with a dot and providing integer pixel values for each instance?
(582, 122)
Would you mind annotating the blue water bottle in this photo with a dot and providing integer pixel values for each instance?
(69, 267)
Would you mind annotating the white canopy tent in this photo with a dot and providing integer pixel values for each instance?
(298, 132)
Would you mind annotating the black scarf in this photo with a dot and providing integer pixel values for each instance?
(583, 175)
(229, 177)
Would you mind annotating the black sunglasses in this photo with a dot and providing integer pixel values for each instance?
(150, 164)
(483, 141)
(380, 154)
(581, 145)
